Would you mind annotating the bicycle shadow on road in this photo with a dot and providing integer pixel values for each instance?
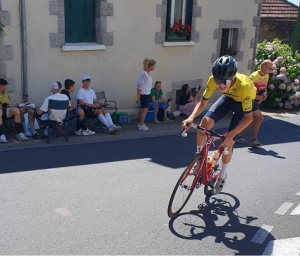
(218, 218)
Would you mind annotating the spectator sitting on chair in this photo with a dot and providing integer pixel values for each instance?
(81, 128)
(187, 102)
(157, 101)
(38, 112)
(87, 99)
(8, 111)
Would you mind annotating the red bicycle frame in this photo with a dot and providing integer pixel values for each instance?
(203, 166)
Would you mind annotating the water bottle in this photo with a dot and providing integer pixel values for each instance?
(209, 163)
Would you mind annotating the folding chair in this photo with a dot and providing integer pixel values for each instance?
(111, 104)
(92, 122)
(57, 122)
(9, 124)
(72, 116)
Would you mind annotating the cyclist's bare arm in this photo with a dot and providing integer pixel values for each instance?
(197, 111)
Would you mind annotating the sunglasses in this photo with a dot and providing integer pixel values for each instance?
(223, 81)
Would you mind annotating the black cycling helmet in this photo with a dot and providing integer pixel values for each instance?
(224, 68)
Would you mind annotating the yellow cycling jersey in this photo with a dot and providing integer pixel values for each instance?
(242, 91)
(260, 82)
(4, 98)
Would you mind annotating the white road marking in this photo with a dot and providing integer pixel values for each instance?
(289, 246)
(296, 211)
(298, 194)
(63, 211)
(284, 208)
(261, 234)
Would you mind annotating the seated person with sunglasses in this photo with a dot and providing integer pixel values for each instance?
(238, 95)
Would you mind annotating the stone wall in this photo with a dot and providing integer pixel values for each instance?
(6, 51)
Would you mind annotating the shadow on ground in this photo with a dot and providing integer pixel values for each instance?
(172, 151)
(218, 218)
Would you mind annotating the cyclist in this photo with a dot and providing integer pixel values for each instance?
(238, 95)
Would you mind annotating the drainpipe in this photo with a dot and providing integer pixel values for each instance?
(23, 50)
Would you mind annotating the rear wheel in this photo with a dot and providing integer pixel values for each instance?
(213, 178)
(185, 186)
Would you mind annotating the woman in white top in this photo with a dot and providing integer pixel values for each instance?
(144, 85)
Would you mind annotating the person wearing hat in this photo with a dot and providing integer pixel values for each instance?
(8, 111)
(81, 128)
(87, 99)
(56, 88)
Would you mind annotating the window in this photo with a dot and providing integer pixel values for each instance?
(79, 21)
(179, 20)
(229, 42)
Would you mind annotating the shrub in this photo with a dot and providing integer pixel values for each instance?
(283, 87)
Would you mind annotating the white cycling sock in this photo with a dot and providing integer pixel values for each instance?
(108, 119)
(103, 120)
(222, 174)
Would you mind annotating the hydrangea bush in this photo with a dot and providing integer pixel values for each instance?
(283, 86)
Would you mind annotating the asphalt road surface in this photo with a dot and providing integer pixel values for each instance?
(112, 198)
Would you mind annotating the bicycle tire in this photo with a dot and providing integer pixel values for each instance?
(208, 188)
(188, 180)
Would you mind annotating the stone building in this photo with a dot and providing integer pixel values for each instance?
(108, 40)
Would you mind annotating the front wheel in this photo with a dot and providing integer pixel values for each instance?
(185, 186)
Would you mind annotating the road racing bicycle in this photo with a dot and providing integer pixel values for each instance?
(199, 172)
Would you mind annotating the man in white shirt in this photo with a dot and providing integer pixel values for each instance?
(57, 115)
(88, 101)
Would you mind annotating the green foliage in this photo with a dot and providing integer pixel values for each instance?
(283, 87)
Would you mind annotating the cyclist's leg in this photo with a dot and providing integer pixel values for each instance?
(216, 112)
(238, 115)
(235, 120)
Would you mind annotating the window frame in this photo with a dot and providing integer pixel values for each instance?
(172, 15)
(231, 42)
(186, 19)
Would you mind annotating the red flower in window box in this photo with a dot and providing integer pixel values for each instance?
(180, 29)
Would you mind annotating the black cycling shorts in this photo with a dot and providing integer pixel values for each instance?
(224, 106)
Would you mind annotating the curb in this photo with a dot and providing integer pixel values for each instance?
(128, 132)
